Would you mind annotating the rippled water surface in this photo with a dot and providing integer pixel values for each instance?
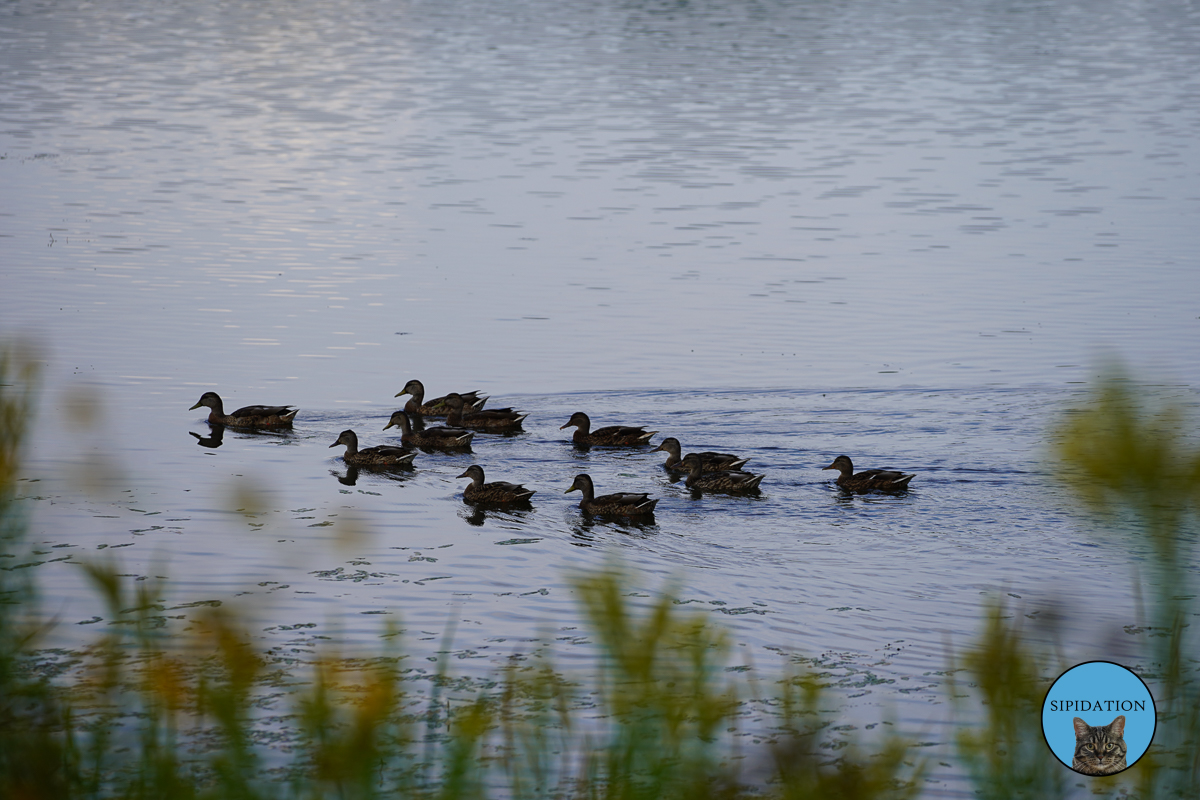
(904, 231)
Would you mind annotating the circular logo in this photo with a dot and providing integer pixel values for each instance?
(1098, 718)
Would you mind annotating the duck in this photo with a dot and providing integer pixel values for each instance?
(491, 419)
(623, 504)
(437, 407)
(495, 492)
(728, 481)
(444, 438)
(247, 416)
(709, 461)
(869, 480)
(382, 455)
(613, 435)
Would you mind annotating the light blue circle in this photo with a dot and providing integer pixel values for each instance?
(1098, 692)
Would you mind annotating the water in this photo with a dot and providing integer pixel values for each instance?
(907, 232)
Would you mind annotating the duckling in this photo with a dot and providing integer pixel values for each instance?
(444, 438)
(491, 419)
(729, 481)
(382, 455)
(711, 462)
(437, 407)
(247, 416)
(870, 480)
(623, 504)
(495, 492)
(613, 435)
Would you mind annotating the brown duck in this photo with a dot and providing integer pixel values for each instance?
(613, 435)
(437, 407)
(869, 480)
(728, 481)
(709, 461)
(622, 504)
(247, 416)
(383, 455)
(439, 437)
(489, 419)
(498, 492)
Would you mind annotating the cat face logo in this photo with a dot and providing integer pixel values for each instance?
(1098, 718)
(1099, 749)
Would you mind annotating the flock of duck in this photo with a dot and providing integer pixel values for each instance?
(465, 415)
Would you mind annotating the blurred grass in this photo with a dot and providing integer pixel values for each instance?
(1134, 466)
(1000, 740)
(1132, 460)
(144, 713)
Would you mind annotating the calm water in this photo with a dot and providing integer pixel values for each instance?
(904, 231)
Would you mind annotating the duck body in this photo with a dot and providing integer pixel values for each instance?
(491, 419)
(439, 437)
(869, 480)
(247, 416)
(496, 492)
(383, 455)
(620, 504)
(613, 435)
(437, 407)
(728, 481)
(709, 461)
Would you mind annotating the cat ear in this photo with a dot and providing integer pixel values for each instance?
(1081, 728)
(1117, 726)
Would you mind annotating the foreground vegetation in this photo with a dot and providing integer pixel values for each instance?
(142, 714)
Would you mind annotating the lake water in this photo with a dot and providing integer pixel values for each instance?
(909, 232)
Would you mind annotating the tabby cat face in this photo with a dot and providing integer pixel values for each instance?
(1100, 749)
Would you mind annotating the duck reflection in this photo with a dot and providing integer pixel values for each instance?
(579, 452)
(216, 435)
(348, 478)
(353, 472)
(477, 514)
(586, 528)
(843, 498)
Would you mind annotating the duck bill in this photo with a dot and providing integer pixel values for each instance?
(564, 427)
(568, 491)
(831, 466)
(390, 424)
(193, 408)
(464, 475)
(335, 444)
